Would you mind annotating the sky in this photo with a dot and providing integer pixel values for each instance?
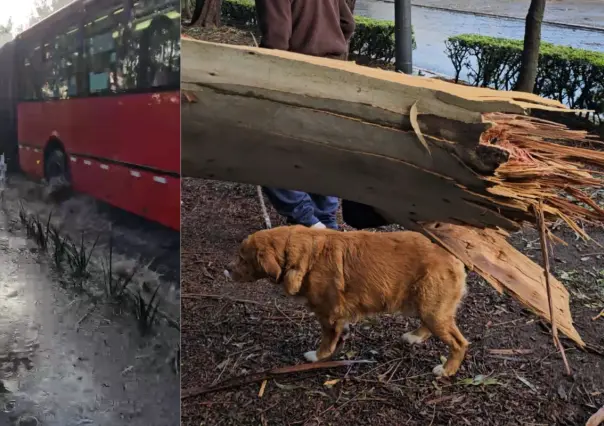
(19, 10)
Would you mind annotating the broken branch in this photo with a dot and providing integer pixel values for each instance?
(546, 273)
(266, 375)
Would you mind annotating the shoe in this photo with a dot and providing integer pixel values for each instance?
(319, 225)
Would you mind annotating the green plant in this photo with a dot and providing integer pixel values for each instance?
(145, 312)
(79, 259)
(239, 13)
(115, 288)
(572, 76)
(372, 41)
(60, 248)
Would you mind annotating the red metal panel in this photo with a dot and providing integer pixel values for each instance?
(136, 129)
(142, 129)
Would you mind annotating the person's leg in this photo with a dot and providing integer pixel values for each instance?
(326, 209)
(296, 206)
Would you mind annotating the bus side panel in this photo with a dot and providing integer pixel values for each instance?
(31, 161)
(147, 194)
(141, 129)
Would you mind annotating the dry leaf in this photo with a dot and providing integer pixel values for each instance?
(286, 386)
(330, 383)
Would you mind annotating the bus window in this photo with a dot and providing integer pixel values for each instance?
(153, 51)
(101, 47)
(32, 73)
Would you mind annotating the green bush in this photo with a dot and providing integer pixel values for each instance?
(373, 39)
(574, 77)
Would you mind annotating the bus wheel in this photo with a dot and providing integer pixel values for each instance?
(56, 171)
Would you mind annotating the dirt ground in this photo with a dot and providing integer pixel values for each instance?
(254, 327)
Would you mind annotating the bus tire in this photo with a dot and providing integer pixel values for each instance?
(56, 169)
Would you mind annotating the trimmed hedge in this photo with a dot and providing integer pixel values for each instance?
(373, 39)
(574, 77)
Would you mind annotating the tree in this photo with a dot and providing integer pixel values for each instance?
(532, 43)
(6, 32)
(207, 12)
(43, 8)
(351, 4)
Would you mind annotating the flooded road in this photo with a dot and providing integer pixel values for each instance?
(433, 27)
(66, 361)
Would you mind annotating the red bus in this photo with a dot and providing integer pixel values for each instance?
(90, 96)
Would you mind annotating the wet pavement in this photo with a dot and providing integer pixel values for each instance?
(433, 27)
(67, 362)
(573, 12)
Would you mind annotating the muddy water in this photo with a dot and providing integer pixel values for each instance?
(433, 27)
(65, 364)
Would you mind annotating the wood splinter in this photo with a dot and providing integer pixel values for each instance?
(546, 273)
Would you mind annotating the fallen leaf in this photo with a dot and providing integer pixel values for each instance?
(479, 380)
(562, 393)
(527, 383)
(330, 383)
(223, 364)
(285, 386)
(350, 354)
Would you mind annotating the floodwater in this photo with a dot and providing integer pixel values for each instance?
(433, 27)
(64, 362)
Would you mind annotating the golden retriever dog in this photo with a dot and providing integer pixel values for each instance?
(345, 276)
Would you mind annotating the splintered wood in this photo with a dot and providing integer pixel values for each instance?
(487, 252)
(421, 151)
(539, 169)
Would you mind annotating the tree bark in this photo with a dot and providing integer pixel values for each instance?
(186, 10)
(206, 13)
(532, 43)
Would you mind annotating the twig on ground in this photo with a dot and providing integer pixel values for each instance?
(546, 273)
(92, 308)
(220, 297)
(266, 375)
(267, 219)
(600, 315)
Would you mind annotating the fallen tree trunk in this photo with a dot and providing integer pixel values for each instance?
(421, 151)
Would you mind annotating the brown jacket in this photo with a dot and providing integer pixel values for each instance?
(311, 27)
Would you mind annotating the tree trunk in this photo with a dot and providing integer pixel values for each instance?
(281, 119)
(351, 4)
(532, 42)
(210, 14)
(206, 13)
(186, 10)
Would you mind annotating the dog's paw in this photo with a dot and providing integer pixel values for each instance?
(439, 371)
(412, 339)
(311, 356)
(345, 333)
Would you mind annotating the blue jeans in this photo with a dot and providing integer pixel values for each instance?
(304, 209)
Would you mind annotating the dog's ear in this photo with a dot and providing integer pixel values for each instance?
(298, 252)
(267, 259)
